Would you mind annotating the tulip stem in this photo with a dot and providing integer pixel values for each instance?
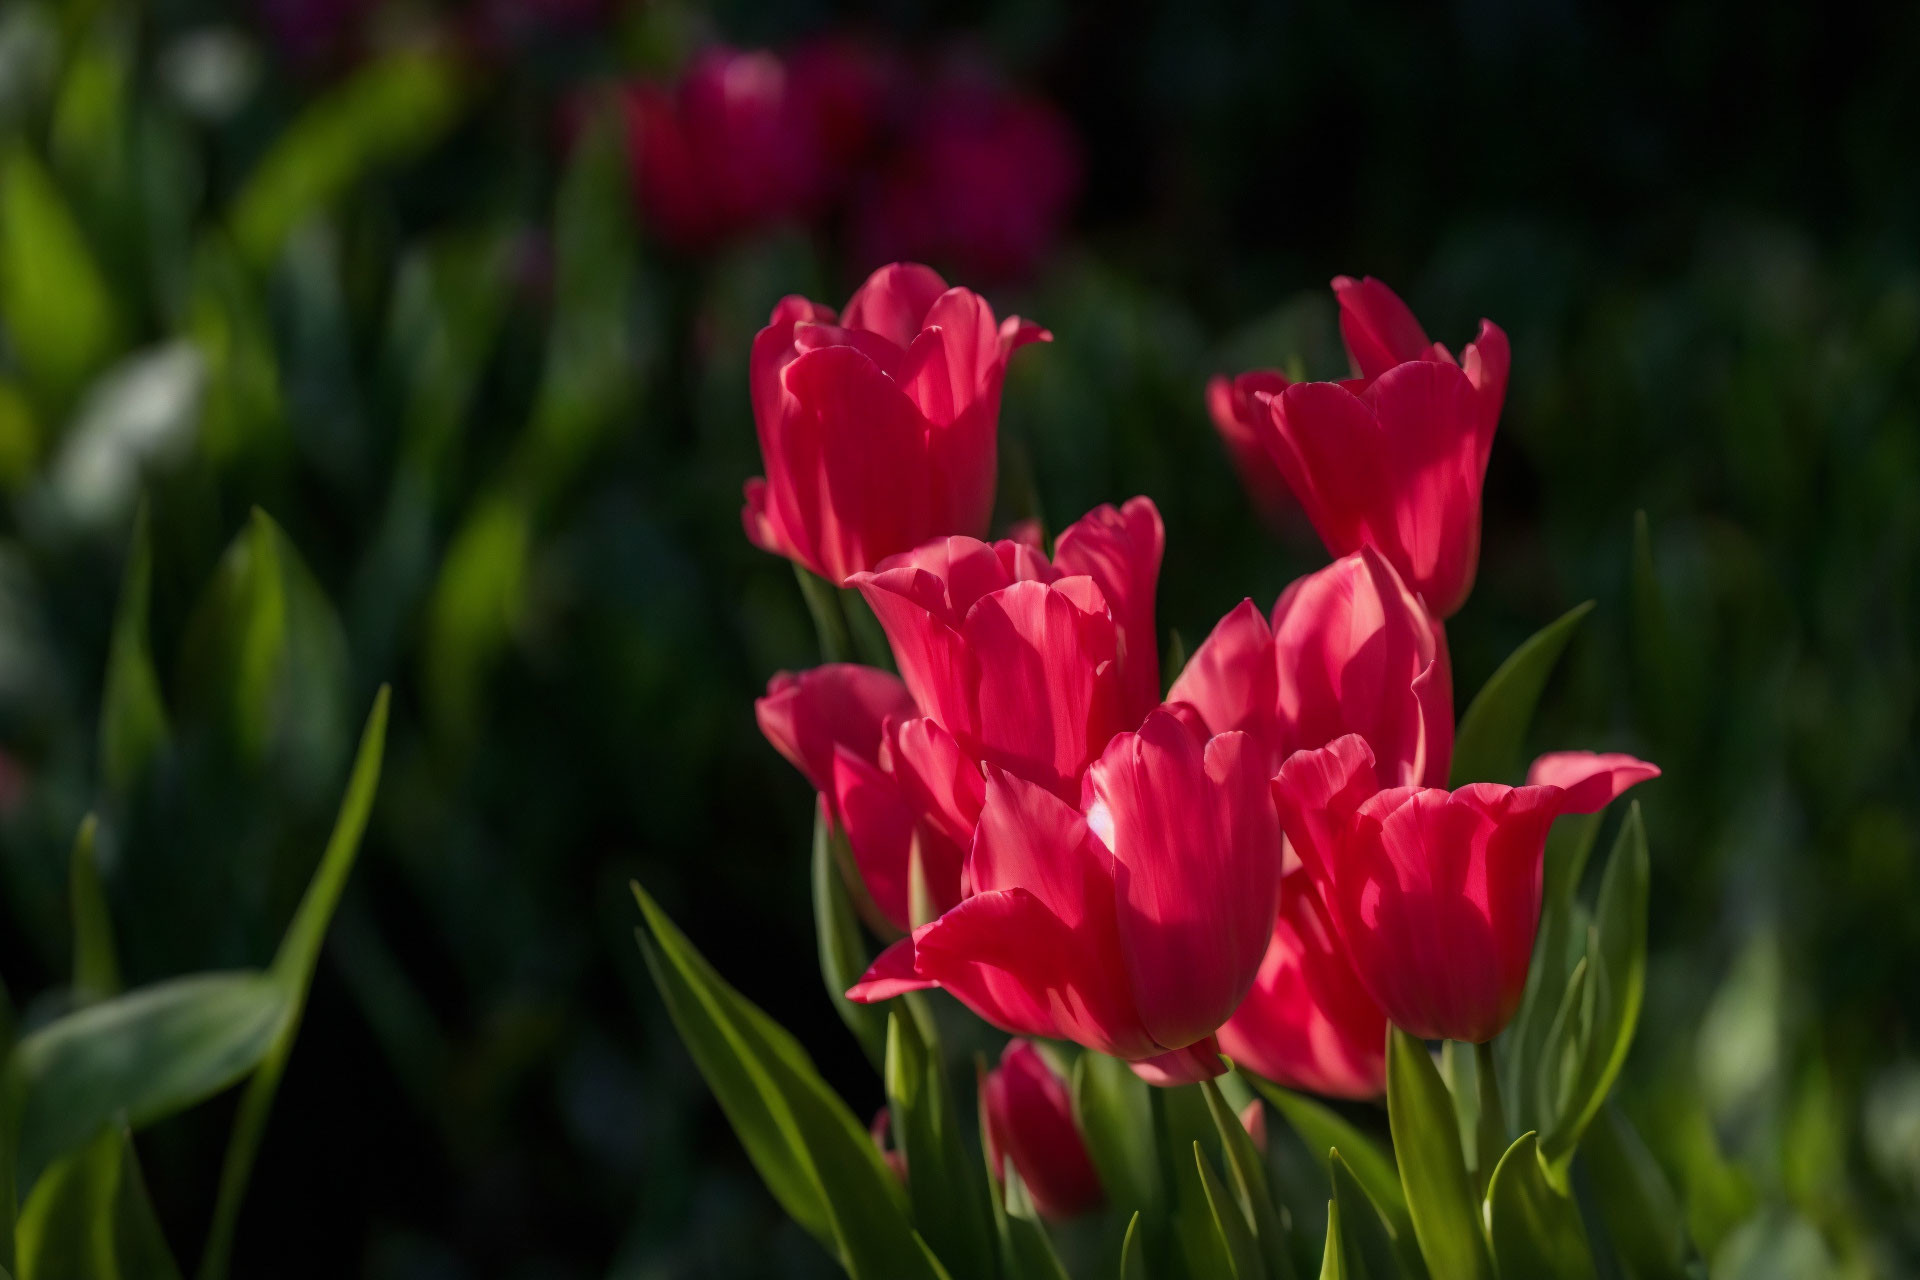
(829, 623)
(1490, 1134)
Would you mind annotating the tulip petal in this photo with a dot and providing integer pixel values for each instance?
(1196, 858)
(1316, 793)
(1198, 1061)
(1592, 780)
(1231, 679)
(880, 830)
(891, 973)
(1485, 361)
(1029, 1120)
(1328, 445)
(1379, 329)
(1048, 695)
(838, 705)
(940, 780)
(934, 661)
(1121, 551)
(1430, 416)
(894, 301)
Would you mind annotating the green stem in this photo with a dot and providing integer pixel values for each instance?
(829, 624)
(1491, 1132)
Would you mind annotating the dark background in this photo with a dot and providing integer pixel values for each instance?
(1697, 223)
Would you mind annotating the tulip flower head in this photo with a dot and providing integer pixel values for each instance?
(1132, 922)
(1396, 458)
(1435, 894)
(879, 426)
(1029, 1121)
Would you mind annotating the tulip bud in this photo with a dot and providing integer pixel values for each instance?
(1029, 1120)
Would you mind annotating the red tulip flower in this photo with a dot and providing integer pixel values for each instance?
(1132, 923)
(1436, 894)
(1028, 664)
(878, 427)
(1350, 650)
(1308, 1023)
(1029, 1120)
(1238, 407)
(1395, 459)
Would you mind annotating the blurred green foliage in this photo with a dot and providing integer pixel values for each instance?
(408, 394)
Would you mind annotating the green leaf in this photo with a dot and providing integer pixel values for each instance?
(946, 1188)
(1494, 729)
(843, 955)
(1568, 847)
(1026, 1253)
(1562, 1047)
(1247, 1170)
(265, 653)
(1535, 1229)
(1243, 1252)
(146, 1055)
(1619, 959)
(89, 1218)
(475, 607)
(1322, 1130)
(58, 312)
(816, 1158)
(1133, 1262)
(133, 718)
(96, 967)
(1433, 1172)
(1370, 1246)
(386, 112)
(293, 970)
(1637, 1203)
(1182, 1122)
(1333, 1264)
(1112, 1107)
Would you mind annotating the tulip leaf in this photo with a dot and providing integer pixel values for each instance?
(133, 718)
(385, 112)
(1618, 960)
(1493, 731)
(1369, 1243)
(1534, 1227)
(58, 312)
(1333, 1264)
(1025, 1251)
(1247, 1169)
(293, 969)
(1243, 1252)
(145, 1055)
(1568, 847)
(1133, 1262)
(945, 1189)
(843, 955)
(96, 967)
(1322, 1130)
(817, 1160)
(1113, 1110)
(1181, 1122)
(1643, 1218)
(1562, 1044)
(89, 1218)
(1433, 1172)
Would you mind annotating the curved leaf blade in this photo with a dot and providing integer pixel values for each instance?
(1433, 1171)
(1535, 1229)
(1492, 732)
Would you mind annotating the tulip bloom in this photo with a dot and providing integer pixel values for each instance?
(1029, 1120)
(843, 726)
(1435, 894)
(1238, 407)
(1029, 665)
(1395, 459)
(1308, 1023)
(1350, 650)
(1132, 923)
(879, 428)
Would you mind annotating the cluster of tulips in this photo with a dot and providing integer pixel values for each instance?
(1270, 862)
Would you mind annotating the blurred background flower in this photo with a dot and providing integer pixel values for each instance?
(338, 262)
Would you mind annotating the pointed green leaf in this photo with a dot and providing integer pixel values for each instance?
(1247, 1170)
(293, 969)
(89, 1218)
(1433, 1172)
(843, 954)
(946, 1190)
(54, 302)
(816, 1158)
(133, 718)
(1230, 1222)
(1333, 1265)
(1561, 1046)
(146, 1055)
(1133, 1261)
(96, 966)
(1619, 958)
(1112, 1107)
(1642, 1214)
(1492, 732)
(1322, 1130)
(1568, 847)
(385, 112)
(1371, 1249)
(1535, 1229)
(1027, 1252)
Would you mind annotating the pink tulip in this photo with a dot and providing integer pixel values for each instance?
(1132, 923)
(1435, 895)
(878, 428)
(1239, 410)
(1029, 1120)
(1029, 665)
(1308, 1023)
(1396, 458)
(1350, 649)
